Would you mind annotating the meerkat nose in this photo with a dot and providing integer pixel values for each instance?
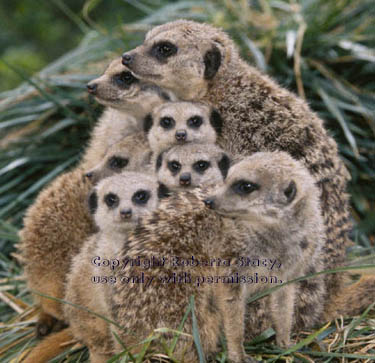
(210, 202)
(185, 179)
(91, 87)
(126, 59)
(126, 213)
(181, 135)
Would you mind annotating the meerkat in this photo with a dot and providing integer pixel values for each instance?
(192, 165)
(128, 101)
(57, 223)
(199, 62)
(131, 153)
(267, 208)
(178, 123)
(117, 204)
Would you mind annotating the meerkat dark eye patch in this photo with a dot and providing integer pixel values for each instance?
(163, 50)
(163, 191)
(117, 163)
(167, 123)
(174, 166)
(224, 165)
(216, 121)
(159, 161)
(111, 200)
(93, 202)
(290, 192)
(141, 197)
(124, 79)
(201, 166)
(147, 123)
(195, 122)
(244, 187)
(212, 62)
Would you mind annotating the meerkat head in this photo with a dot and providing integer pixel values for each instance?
(118, 202)
(266, 186)
(119, 89)
(129, 154)
(183, 56)
(177, 123)
(192, 165)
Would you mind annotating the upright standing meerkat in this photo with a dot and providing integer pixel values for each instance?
(268, 210)
(178, 123)
(199, 62)
(117, 203)
(57, 223)
(192, 165)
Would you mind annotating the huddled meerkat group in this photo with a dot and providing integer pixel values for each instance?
(197, 155)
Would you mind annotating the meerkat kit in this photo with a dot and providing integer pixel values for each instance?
(197, 158)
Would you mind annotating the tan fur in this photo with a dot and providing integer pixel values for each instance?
(265, 224)
(106, 244)
(56, 225)
(189, 159)
(258, 115)
(131, 153)
(50, 347)
(161, 139)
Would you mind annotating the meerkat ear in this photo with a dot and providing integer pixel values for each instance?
(147, 123)
(224, 165)
(290, 192)
(212, 62)
(163, 191)
(159, 161)
(93, 202)
(216, 121)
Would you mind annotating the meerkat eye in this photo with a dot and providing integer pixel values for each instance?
(195, 121)
(141, 197)
(164, 50)
(244, 187)
(117, 163)
(201, 166)
(174, 166)
(167, 122)
(112, 200)
(124, 79)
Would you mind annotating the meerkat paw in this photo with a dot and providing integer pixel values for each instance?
(283, 341)
(240, 358)
(47, 324)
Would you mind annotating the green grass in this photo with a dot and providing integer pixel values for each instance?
(324, 50)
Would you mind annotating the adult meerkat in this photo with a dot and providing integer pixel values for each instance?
(178, 123)
(267, 209)
(57, 223)
(192, 165)
(117, 203)
(200, 62)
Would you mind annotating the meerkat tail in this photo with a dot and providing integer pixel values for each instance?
(50, 347)
(353, 299)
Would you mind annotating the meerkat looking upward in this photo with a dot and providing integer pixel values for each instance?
(56, 225)
(192, 165)
(199, 62)
(178, 123)
(117, 203)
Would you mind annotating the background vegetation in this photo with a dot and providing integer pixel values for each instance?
(324, 50)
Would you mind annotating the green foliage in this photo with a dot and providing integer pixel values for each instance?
(324, 50)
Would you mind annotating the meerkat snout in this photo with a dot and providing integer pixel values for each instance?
(210, 202)
(185, 179)
(92, 87)
(181, 135)
(126, 213)
(127, 59)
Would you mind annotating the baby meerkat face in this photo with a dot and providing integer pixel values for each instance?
(178, 123)
(265, 184)
(118, 202)
(118, 88)
(192, 165)
(129, 154)
(182, 56)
